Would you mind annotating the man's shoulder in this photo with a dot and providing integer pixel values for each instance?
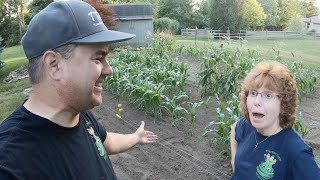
(17, 131)
(13, 120)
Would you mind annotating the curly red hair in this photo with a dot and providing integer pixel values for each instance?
(275, 77)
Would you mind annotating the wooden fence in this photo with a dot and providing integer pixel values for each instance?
(243, 34)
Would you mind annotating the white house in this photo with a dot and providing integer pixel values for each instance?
(312, 23)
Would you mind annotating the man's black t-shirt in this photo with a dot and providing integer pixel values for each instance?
(32, 147)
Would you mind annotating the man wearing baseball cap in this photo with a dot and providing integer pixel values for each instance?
(53, 135)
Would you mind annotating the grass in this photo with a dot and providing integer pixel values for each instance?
(11, 93)
(305, 50)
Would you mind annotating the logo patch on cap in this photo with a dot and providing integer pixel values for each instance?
(95, 17)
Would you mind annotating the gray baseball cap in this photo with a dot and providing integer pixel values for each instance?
(67, 22)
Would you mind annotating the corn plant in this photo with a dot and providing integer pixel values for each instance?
(174, 108)
(195, 52)
(303, 130)
(219, 130)
(278, 56)
(150, 81)
(220, 73)
(192, 111)
(147, 96)
(307, 81)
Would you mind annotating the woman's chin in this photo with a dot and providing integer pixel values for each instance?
(257, 124)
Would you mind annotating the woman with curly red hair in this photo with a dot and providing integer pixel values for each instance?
(263, 143)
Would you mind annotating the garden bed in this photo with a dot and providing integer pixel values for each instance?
(179, 153)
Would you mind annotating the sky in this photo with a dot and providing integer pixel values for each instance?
(318, 3)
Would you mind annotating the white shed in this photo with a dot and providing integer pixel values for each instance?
(135, 18)
(312, 23)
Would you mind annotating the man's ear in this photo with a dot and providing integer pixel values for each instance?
(52, 64)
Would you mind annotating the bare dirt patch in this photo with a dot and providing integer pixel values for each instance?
(179, 153)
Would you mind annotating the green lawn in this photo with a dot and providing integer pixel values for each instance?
(11, 93)
(306, 50)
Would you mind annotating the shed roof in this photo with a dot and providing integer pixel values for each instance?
(132, 11)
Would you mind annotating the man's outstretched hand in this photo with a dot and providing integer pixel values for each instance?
(144, 136)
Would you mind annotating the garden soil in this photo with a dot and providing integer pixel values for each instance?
(179, 152)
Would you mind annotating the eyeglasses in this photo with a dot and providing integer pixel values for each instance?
(265, 95)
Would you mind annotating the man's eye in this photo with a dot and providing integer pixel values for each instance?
(99, 58)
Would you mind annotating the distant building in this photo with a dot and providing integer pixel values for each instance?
(312, 23)
(135, 18)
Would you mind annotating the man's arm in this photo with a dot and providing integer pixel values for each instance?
(117, 143)
(233, 144)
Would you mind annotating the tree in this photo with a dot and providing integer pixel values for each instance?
(309, 8)
(180, 10)
(37, 5)
(295, 23)
(226, 14)
(131, 1)
(106, 13)
(16, 9)
(287, 10)
(166, 25)
(12, 24)
(271, 10)
(201, 14)
(254, 15)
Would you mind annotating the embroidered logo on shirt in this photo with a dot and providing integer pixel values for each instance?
(98, 143)
(265, 170)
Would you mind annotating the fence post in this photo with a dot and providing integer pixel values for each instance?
(195, 36)
(266, 34)
(285, 34)
(1, 49)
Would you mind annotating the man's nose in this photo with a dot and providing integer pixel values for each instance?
(107, 70)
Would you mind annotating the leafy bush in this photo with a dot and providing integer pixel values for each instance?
(166, 25)
(161, 43)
